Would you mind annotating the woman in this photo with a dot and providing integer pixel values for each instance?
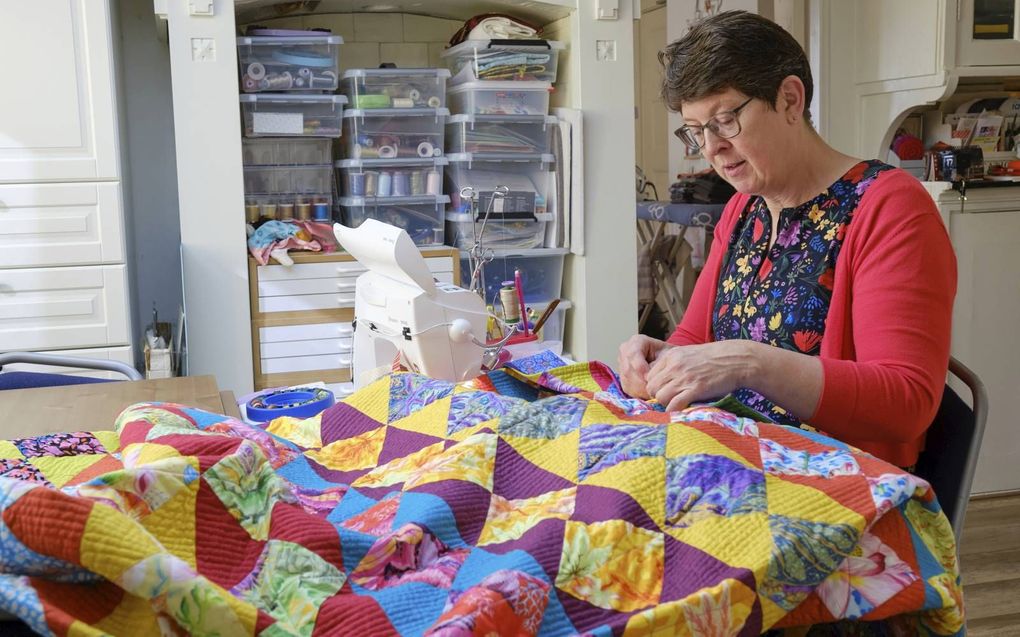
(828, 292)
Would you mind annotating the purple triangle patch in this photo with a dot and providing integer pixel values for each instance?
(515, 477)
(581, 613)
(400, 443)
(343, 421)
(598, 504)
(468, 501)
(543, 542)
(689, 569)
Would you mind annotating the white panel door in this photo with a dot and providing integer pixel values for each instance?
(57, 114)
(984, 333)
(63, 308)
(988, 33)
(60, 224)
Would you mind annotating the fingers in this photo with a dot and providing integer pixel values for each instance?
(682, 400)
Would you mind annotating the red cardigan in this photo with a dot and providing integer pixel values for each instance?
(885, 350)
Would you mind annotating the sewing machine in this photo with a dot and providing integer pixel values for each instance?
(437, 329)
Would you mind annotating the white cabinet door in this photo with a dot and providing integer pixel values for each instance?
(60, 224)
(63, 308)
(57, 114)
(985, 333)
(988, 33)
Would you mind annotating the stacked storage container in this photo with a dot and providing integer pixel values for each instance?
(394, 150)
(502, 135)
(290, 116)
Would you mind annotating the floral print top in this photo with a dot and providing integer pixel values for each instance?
(781, 295)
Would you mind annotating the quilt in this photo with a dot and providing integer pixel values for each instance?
(534, 500)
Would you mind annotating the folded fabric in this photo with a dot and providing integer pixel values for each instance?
(274, 238)
(465, 31)
(501, 28)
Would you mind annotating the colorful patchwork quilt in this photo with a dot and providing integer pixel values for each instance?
(535, 500)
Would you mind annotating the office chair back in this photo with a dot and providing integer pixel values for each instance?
(951, 448)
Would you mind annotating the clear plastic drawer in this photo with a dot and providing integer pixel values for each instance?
(528, 179)
(281, 115)
(395, 88)
(500, 133)
(500, 98)
(293, 63)
(394, 133)
(391, 177)
(420, 217)
(518, 231)
(502, 60)
(293, 151)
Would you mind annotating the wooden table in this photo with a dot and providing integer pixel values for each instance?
(43, 410)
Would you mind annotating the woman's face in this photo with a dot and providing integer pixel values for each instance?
(751, 161)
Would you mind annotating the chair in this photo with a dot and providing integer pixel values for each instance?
(951, 448)
(26, 380)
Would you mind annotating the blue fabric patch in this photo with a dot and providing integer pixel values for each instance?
(430, 511)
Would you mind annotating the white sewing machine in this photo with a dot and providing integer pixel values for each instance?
(437, 329)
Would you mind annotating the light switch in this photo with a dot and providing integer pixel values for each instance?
(201, 7)
(607, 9)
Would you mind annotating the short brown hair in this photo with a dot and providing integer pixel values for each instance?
(733, 49)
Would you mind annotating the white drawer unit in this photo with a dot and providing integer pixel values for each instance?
(61, 308)
(339, 285)
(326, 301)
(320, 347)
(284, 333)
(292, 364)
(60, 224)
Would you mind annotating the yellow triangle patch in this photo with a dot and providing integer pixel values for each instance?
(306, 432)
(683, 440)
(510, 519)
(597, 413)
(373, 401)
(8, 450)
(742, 541)
(430, 419)
(110, 439)
(807, 503)
(467, 432)
(633, 478)
(558, 456)
(59, 470)
(173, 523)
(351, 454)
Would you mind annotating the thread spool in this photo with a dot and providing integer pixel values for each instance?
(304, 211)
(401, 184)
(320, 211)
(256, 71)
(286, 211)
(434, 183)
(418, 182)
(414, 95)
(251, 212)
(387, 152)
(426, 149)
(371, 183)
(278, 81)
(435, 102)
(299, 82)
(304, 72)
(403, 102)
(385, 184)
(356, 184)
(249, 84)
(508, 299)
(269, 210)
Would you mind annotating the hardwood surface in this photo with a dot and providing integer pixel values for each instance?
(96, 406)
(990, 566)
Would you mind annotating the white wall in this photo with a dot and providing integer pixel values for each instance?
(152, 218)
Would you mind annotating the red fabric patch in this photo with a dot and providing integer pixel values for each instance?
(106, 465)
(805, 340)
(31, 520)
(291, 523)
(65, 603)
(827, 278)
(348, 614)
(759, 229)
(224, 552)
(766, 267)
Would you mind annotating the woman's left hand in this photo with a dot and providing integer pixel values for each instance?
(685, 374)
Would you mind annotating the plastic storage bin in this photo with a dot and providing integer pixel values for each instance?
(389, 133)
(528, 177)
(541, 273)
(395, 88)
(391, 177)
(499, 98)
(275, 115)
(502, 60)
(288, 205)
(518, 231)
(294, 151)
(420, 217)
(500, 133)
(293, 63)
(288, 192)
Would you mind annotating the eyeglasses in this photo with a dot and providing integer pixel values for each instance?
(723, 125)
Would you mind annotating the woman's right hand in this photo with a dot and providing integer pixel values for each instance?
(634, 360)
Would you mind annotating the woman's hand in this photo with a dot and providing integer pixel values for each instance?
(634, 361)
(685, 374)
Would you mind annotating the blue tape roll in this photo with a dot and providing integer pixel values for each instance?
(300, 402)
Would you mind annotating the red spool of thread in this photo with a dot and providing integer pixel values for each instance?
(908, 147)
